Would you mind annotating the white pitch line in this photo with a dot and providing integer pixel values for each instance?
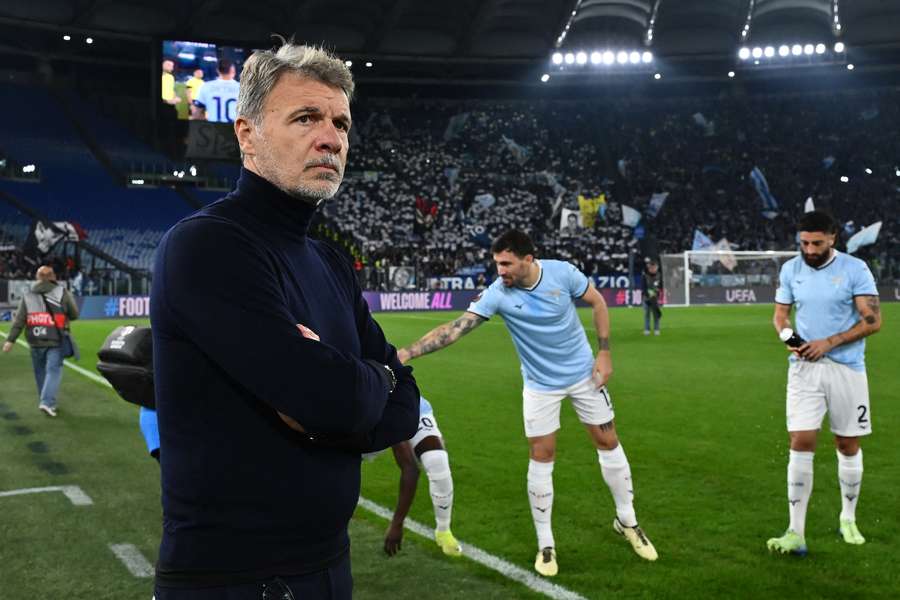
(133, 560)
(74, 493)
(495, 563)
(70, 364)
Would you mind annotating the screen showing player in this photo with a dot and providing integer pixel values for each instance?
(201, 80)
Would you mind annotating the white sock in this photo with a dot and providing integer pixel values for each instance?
(850, 472)
(440, 486)
(540, 496)
(800, 483)
(617, 475)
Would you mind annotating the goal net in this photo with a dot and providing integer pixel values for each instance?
(721, 277)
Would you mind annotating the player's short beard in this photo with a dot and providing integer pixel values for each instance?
(818, 260)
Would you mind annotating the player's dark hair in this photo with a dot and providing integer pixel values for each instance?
(817, 220)
(514, 241)
(224, 66)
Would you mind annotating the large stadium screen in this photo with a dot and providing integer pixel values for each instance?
(201, 80)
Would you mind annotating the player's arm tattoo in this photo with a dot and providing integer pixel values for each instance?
(874, 306)
(446, 334)
(869, 308)
(602, 343)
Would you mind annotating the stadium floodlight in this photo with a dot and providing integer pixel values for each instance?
(845, 179)
(868, 171)
(850, 67)
(820, 48)
(837, 27)
(783, 50)
(89, 40)
(608, 58)
(569, 58)
(596, 58)
(67, 37)
(635, 57)
(757, 52)
(369, 64)
(731, 74)
(137, 182)
(557, 58)
(581, 58)
(348, 63)
(839, 47)
(622, 57)
(744, 53)
(657, 76)
(808, 49)
(897, 171)
(28, 169)
(545, 78)
(193, 171)
(769, 51)
(647, 57)
(796, 49)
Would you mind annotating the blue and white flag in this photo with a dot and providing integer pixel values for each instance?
(864, 237)
(630, 216)
(656, 203)
(762, 188)
(701, 241)
(455, 126)
(519, 152)
(809, 206)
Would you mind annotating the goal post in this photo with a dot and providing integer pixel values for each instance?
(722, 277)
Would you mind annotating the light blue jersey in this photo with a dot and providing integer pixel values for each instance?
(824, 301)
(219, 98)
(545, 328)
(425, 407)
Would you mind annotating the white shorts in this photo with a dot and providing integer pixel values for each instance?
(815, 388)
(541, 408)
(427, 427)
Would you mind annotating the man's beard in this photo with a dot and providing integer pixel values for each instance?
(818, 260)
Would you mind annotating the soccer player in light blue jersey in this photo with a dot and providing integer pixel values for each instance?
(217, 100)
(837, 306)
(536, 299)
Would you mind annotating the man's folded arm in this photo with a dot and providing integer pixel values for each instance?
(224, 295)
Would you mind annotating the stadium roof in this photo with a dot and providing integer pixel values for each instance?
(462, 36)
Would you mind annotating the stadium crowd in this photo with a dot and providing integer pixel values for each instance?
(431, 182)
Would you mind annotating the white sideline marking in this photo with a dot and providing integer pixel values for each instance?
(133, 560)
(74, 493)
(70, 364)
(495, 563)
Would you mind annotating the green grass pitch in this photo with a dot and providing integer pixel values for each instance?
(700, 412)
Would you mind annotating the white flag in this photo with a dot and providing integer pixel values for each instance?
(809, 206)
(727, 257)
(863, 237)
(630, 216)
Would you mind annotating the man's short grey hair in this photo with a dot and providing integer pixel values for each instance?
(265, 67)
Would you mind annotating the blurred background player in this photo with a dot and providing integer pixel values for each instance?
(193, 86)
(837, 307)
(217, 99)
(537, 302)
(427, 446)
(651, 288)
